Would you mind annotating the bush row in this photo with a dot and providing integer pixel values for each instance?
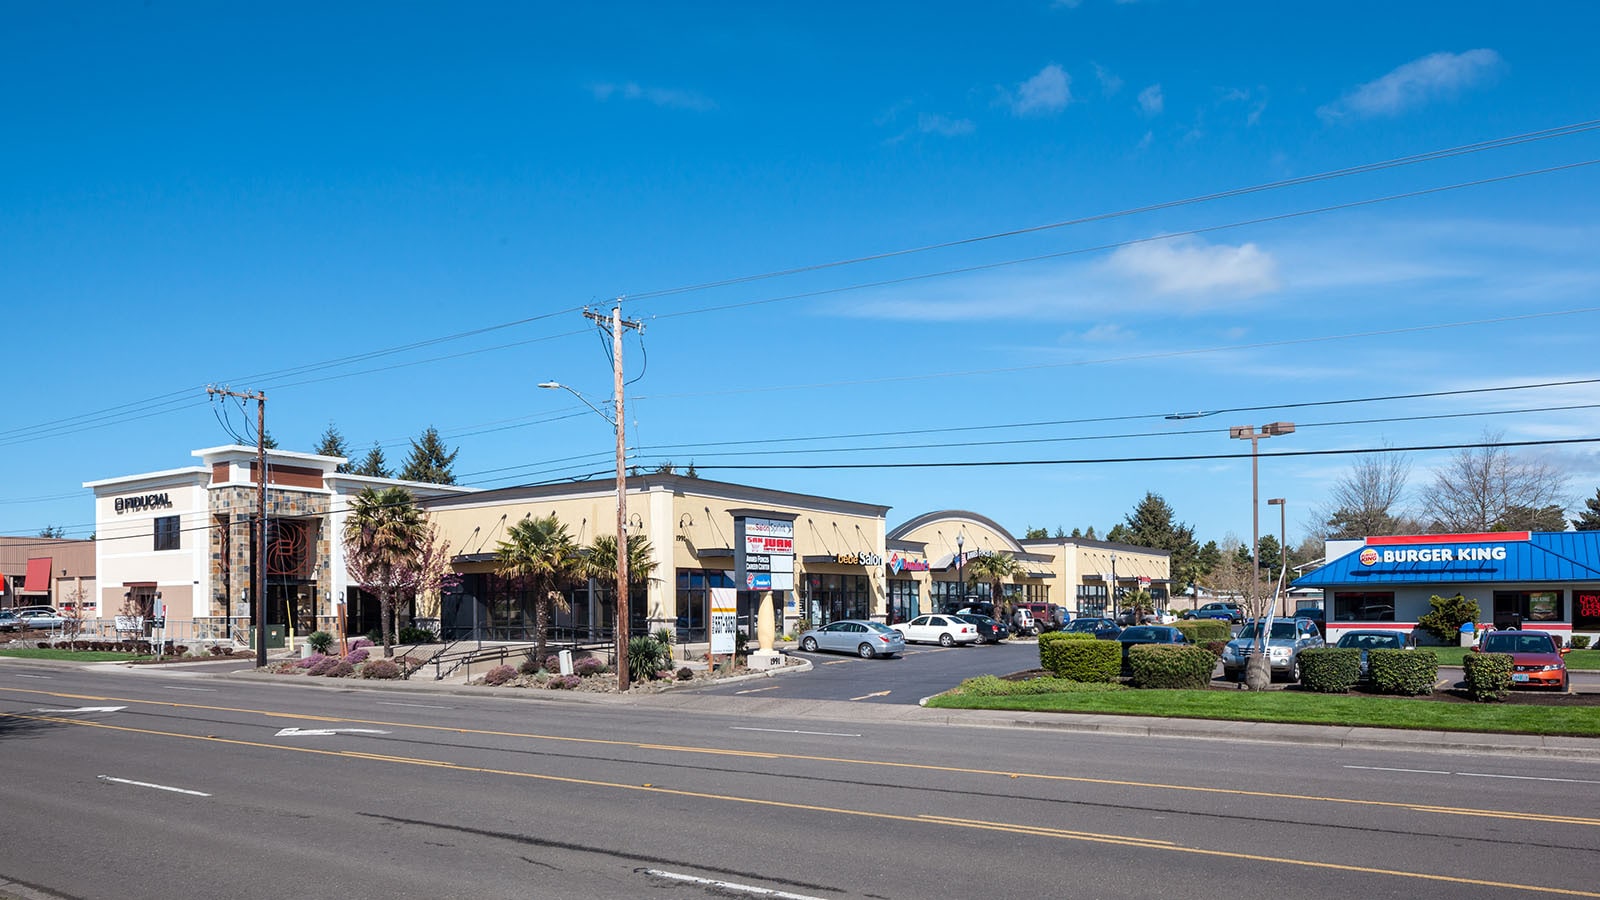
(1408, 672)
(994, 686)
(1078, 657)
(1329, 670)
(1170, 666)
(1204, 631)
(1488, 675)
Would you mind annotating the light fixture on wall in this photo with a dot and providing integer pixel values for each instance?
(635, 520)
(684, 524)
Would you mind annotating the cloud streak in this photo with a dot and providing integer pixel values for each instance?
(666, 98)
(1416, 84)
(1047, 92)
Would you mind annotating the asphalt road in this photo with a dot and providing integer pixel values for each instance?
(122, 784)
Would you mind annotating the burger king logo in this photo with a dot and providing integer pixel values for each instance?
(1369, 556)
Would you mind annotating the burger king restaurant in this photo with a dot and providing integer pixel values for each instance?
(1545, 581)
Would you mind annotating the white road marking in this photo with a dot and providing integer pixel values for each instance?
(759, 690)
(324, 732)
(83, 709)
(792, 731)
(868, 696)
(1387, 769)
(837, 662)
(725, 885)
(159, 787)
(172, 687)
(20, 675)
(417, 705)
(1477, 775)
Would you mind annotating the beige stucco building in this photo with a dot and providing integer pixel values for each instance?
(37, 571)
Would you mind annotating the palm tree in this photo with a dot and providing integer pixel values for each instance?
(541, 554)
(600, 562)
(383, 536)
(992, 569)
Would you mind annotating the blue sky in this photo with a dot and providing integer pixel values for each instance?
(194, 194)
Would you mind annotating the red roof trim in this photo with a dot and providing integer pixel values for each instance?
(1483, 537)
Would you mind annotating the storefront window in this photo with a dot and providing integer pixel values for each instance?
(1586, 610)
(830, 598)
(693, 596)
(1091, 600)
(903, 601)
(947, 596)
(1514, 607)
(1363, 606)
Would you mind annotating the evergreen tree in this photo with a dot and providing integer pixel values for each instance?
(268, 442)
(1077, 533)
(1090, 533)
(1589, 519)
(1152, 524)
(691, 473)
(1270, 557)
(428, 461)
(1034, 534)
(332, 444)
(53, 531)
(373, 464)
(1060, 532)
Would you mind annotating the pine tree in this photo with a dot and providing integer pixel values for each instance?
(374, 464)
(428, 461)
(332, 444)
(1152, 524)
(1589, 519)
(268, 442)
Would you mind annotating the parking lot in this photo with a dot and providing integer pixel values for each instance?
(923, 670)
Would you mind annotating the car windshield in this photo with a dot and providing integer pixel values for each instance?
(1372, 642)
(1511, 642)
(1281, 630)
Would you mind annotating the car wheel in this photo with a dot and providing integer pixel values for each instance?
(1294, 669)
(809, 645)
(865, 651)
(945, 640)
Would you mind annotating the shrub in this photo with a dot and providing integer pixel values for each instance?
(308, 661)
(386, 669)
(357, 656)
(685, 674)
(1329, 670)
(1444, 621)
(1204, 631)
(340, 669)
(320, 641)
(741, 648)
(1068, 656)
(358, 643)
(414, 635)
(664, 636)
(500, 675)
(552, 663)
(1488, 675)
(528, 666)
(1411, 672)
(1580, 642)
(563, 682)
(322, 665)
(589, 666)
(994, 686)
(1216, 647)
(1171, 667)
(646, 657)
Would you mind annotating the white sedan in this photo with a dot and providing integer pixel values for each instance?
(946, 631)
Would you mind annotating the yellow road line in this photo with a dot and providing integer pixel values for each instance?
(1087, 837)
(888, 764)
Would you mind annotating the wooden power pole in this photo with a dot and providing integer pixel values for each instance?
(258, 609)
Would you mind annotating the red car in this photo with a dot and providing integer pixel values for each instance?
(1535, 657)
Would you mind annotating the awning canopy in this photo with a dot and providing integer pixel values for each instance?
(38, 578)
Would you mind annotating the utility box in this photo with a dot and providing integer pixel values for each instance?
(275, 639)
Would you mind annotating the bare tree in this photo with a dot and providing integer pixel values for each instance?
(1487, 489)
(1368, 499)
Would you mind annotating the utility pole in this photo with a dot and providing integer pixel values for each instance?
(258, 610)
(616, 324)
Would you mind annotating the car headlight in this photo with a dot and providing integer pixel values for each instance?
(1278, 652)
(1555, 668)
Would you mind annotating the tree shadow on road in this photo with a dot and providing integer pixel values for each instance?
(13, 726)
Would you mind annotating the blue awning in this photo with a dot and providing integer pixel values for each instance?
(1539, 558)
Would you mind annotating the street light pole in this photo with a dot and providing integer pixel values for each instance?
(1249, 433)
(1116, 602)
(961, 581)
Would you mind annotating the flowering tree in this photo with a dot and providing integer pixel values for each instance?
(383, 545)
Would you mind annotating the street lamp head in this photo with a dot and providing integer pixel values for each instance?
(1276, 428)
(1242, 432)
(1277, 501)
(551, 385)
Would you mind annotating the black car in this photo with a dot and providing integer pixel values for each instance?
(1147, 634)
(990, 631)
(1104, 629)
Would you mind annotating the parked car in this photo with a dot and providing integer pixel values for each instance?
(9, 621)
(858, 636)
(990, 631)
(1536, 657)
(1150, 617)
(1147, 634)
(40, 617)
(1284, 643)
(1048, 616)
(1104, 629)
(1022, 621)
(946, 631)
(1315, 613)
(1220, 610)
(1372, 640)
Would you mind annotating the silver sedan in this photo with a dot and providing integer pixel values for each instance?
(859, 636)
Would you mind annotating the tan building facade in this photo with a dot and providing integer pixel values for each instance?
(36, 571)
(1086, 571)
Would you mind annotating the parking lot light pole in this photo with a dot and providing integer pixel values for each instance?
(1248, 433)
(961, 582)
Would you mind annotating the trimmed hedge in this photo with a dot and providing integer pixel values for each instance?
(1329, 670)
(1071, 657)
(995, 686)
(1170, 666)
(1204, 631)
(1409, 672)
(1580, 642)
(1488, 675)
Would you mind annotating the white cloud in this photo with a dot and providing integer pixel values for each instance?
(1109, 82)
(1047, 92)
(1191, 266)
(667, 98)
(928, 123)
(1107, 332)
(1415, 84)
(1150, 100)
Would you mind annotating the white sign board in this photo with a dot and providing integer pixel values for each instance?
(724, 619)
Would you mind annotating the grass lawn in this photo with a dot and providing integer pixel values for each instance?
(1302, 708)
(73, 655)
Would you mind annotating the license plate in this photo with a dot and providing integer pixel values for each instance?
(1519, 677)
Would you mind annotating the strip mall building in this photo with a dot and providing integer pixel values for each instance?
(1549, 581)
(188, 534)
